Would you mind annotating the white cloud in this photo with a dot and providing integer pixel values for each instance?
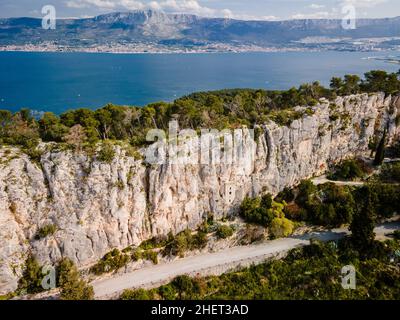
(75, 4)
(102, 4)
(314, 15)
(132, 4)
(254, 17)
(176, 6)
(169, 6)
(335, 12)
(316, 6)
(186, 6)
(154, 5)
(362, 3)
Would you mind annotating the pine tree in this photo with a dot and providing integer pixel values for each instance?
(72, 286)
(380, 151)
(31, 279)
(362, 226)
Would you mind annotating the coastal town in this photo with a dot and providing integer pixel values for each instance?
(140, 47)
(132, 47)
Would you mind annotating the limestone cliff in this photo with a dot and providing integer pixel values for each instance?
(98, 206)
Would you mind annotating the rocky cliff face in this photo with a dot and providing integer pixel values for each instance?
(97, 206)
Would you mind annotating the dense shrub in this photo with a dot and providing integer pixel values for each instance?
(139, 294)
(224, 232)
(106, 153)
(31, 280)
(45, 231)
(184, 286)
(349, 170)
(333, 205)
(167, 292)
(199, 240)
(281, 227)
(394, 150)
(391, 172)
(268, 213)
(327, 205)
(68, 279)
(150, 255)
(71, 285)
(185, 241)
(306, 190)
(385, 198)
(153, 243)
(252, 211)
(286, 195)
(112, 261)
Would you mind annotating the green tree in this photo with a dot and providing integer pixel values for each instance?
(380, 151)
(22, 132)
(5, 118)
(306, 190)
(50, 128)
(266, 201)
(336, 84)
(105, 119)
(32, 277)
(347, 170)
(351, 84)
(184, 286)
(168, 292)
(86, 119)
(362, 226)
(252, 211)
(381, 81)
(71, 284)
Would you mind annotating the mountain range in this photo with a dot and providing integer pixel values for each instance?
(183, 30)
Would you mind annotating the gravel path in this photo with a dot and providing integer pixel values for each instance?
(220, 261)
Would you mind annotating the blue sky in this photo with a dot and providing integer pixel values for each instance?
(239, 9)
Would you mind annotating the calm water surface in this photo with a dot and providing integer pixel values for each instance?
(61, 81)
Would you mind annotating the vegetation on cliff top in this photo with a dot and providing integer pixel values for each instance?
(219, 110)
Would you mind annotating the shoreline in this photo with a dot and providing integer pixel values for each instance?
(170, 52)
(161, 52)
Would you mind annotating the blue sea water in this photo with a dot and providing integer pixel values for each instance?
(60, 81)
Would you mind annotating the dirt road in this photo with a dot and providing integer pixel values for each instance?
(219, 262)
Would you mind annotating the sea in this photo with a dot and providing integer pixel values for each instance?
(58, 82)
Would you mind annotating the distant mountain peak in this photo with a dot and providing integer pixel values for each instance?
(182, 30)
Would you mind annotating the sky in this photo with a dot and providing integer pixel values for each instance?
(236, 9)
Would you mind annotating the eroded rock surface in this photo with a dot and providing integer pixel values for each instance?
(97, 206)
